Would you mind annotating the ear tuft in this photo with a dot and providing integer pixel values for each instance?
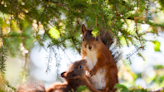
(83, 29)
(84, 61)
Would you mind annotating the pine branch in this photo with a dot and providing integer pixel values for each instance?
(134, 52)
(73, 40)
(8, 85)
(138, 35)
(7, 46)
(95, 14)
(104, 20)
(57, 3)
(49, 59)
(2, 65)
(2, 59)
(24, 67)
(10, 36)
(57, 43)
(3, 55)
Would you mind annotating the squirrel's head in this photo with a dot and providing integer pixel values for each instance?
(75, 70)
(89, 42)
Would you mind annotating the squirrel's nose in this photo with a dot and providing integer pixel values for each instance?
(90, 47)
(85, 46)
(62, 74)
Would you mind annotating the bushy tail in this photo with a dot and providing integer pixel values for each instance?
(31, 87)
(108, 39)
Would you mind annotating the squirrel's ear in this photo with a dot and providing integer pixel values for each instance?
(84, 61)
(83, 29)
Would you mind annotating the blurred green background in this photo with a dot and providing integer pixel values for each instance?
(40, 38)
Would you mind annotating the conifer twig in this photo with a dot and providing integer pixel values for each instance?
(5, 36)
(57, 43)
(75, 45)
(56, 3)
(133, 52)
(24, 67)
(2, 60)
(104, 21)
(49, 57)
(2, 64)
(77, 22)
(8, 47)
(113, 22)
(95, 14)
(138, 35)
(66, 54)
(96, 21)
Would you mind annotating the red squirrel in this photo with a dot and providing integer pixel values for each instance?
(100, 62)
(75, 76)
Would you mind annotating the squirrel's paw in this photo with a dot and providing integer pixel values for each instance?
(92, 72)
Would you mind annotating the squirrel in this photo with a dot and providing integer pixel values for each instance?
(101, 64)
(75, 76)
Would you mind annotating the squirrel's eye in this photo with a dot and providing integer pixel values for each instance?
(80, 67)
(97, 39)
(83, 39)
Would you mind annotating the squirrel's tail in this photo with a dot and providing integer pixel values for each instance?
(31, 87)
(108, 39)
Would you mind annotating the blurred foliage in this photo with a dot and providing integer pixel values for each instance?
(27, 21)
(22, 22)
(128, 77)
(158, 67)
(122, 88)
(3, 82)
(82, 89)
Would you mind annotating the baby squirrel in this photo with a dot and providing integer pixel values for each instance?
(75, 76)
(100, 62)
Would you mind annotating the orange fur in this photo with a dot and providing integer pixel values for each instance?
(104, 59)
(75, 77)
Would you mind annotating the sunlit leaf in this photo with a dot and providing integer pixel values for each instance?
(156, 46)
(54, 33)
(123, 41)
(95, 32)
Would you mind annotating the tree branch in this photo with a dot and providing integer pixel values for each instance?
(7, 47)
(57, 3)
(4, 36)
(134, 52)
(57, 43)
(138, 35)
(75, 45)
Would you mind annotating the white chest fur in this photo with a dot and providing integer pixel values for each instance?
(98, 80)
(91, 59)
